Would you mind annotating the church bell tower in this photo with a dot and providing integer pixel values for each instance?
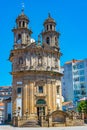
(50, 35)
(22, 34)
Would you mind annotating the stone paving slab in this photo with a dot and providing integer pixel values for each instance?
(4, 127)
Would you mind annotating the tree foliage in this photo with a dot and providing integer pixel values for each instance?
(82, 105)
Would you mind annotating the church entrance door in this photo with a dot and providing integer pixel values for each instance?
(41, 103)
(39, 109)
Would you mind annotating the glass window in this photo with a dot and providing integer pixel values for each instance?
(40, 89)
(82, 78)
(80, 65)
(81, 72)
(83, 92)
(82, 85)
(18, 90)
(76, 92)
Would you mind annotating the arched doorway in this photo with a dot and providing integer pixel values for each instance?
(41, 103)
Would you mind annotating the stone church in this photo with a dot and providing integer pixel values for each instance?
(35, 69)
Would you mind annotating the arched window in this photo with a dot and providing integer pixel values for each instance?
(19, 38)
(47, 27)
(50, 26)
(40, 101)
(48, 40)
(19, 23)
(23, 24)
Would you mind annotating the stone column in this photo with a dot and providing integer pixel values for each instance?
(24, 100)
(26, 87)
(52, 96)
(48, 95)
(28, 100)
(60, 93)
(31, 98)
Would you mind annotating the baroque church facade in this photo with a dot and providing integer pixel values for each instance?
(35, 69)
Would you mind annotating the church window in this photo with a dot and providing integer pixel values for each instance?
(19, 36)
(48, 40)
(18, 90)
(20, 24)
(51, 26)
(20, 60)
(40, 89)
(19, 39)
(58, 89)
(47, 27)
(23, 23)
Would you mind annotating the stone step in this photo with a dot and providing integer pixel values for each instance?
(32, 123)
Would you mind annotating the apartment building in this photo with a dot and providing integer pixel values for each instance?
(5, 103)
(74, 81)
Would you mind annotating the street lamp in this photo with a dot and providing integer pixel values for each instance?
(18, 110)
(26, 113)
(14, 113)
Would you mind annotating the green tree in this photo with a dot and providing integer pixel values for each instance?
(82, 105)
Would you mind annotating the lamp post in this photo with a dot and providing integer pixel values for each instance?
(19, 111)
(14, 113)
(26, 113)
(14, 118)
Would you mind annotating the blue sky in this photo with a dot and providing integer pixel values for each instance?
(71, 18)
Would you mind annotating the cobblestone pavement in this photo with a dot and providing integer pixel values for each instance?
(7, 127)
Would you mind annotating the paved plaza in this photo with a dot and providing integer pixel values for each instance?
(7, 127)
